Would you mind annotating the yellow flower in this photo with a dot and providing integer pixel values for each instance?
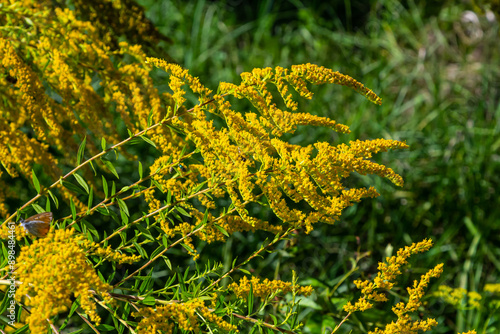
(459, 297)
(266, 287)
(184, 315)
(52, 270)
(385, 279)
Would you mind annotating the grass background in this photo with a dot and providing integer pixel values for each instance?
(438, 74)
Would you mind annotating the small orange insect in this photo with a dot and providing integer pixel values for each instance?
(38, 224)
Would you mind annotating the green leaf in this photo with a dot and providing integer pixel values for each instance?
(149, 300)
(295, 317)
(157, 250)
(147, 283)
(93, 168)
(82, 182)
(198, 187)
(81, 151)
(37, 208)
(105, 186)
(245, 271)
(73, 208)
(124, 217)
(104, 328)
(182, 211)
(73, 187)
(147, 140)
(167, 262)
(103, 144)
(169, 197)
(205, 217)
(159, 186)
(103, 210)
(140, 170)
(90, 228)
(250, 300)
(110, 167)
(74, 307)
(124, 189)
(54, 198)
(123, 206)
(141, 250)
(145, 232)
(150, 118)
(91, 198)
(164, 241)
(189, 249)
(36, 183)
(221, 230)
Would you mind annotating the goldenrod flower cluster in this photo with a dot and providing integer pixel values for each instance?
(492, 287)
(93, 248)
(52, 270)
(19, 232)
(266, 287)
(459, 297)
(66, 56)
(247, 161)
(385, 279)
(182, 315)
(232, 224)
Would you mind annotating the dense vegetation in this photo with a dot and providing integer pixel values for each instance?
(138, 154)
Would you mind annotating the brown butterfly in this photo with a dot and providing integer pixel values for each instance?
(38, 225)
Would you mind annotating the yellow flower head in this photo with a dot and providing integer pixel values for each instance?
(182, 315)
(51, 271)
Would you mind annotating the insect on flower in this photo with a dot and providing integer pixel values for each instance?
(38, 225)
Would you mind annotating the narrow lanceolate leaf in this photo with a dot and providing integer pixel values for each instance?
(37, 207)
(123, 206)
(73, 208)
(149, 300)
(73, 187)
(221, 230)
(145, 232)
(81, 151)
(187, 247)
(54, 199)
(150, 118)
(250, 300)
(182, 211)
(105, 187)
(36, 183)
(91, 198)
(81, 182)
(140, 170)
(93, 168)
(169, 197)
(124, 217)
(295, 317)
(167, 262)
(141, 250)
(149, 141)
(103, 144)
(110, 167)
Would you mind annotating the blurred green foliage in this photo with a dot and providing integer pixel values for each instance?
(437, 68)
